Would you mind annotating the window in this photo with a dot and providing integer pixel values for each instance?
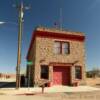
(65, 48)
(57, 48)
(78, 72)
(61, 47)
(44, 71)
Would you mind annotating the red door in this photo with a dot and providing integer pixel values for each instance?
(61, 75)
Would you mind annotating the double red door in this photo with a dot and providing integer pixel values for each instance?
(61, 75)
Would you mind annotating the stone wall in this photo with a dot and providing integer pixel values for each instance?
(31, 57)
(44, 54)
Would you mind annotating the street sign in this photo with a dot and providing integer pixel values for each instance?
(29, 63)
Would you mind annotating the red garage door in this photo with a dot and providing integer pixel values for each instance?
(61, 75)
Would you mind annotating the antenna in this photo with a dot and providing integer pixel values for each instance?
(60, 19)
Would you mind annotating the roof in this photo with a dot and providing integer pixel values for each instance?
(55, 32)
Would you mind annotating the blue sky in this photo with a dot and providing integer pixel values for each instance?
(78, 15)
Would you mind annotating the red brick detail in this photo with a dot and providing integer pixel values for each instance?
(60, 36)
(32, 41)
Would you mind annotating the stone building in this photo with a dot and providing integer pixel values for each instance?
(57, 55)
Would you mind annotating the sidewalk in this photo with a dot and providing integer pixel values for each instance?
(54, 89)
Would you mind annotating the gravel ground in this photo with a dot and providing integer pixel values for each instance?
(54, 89)
(55, 96)
(52, 93)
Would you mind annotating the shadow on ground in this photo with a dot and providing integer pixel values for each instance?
(7, 84)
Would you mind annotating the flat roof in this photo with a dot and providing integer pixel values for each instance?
(58, 30)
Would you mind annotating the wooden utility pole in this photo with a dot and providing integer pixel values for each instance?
(20, 23)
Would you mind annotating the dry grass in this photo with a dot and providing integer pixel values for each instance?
(93, 81)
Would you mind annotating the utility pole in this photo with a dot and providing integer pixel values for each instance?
(20, 23)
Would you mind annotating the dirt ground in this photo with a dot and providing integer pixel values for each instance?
(93, 95)
(93, 82)
(74, 96)
(55, 96)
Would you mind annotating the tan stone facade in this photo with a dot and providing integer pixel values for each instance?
(42, 53)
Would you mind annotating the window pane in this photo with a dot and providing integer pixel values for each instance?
(64, 51)
(57, 47)
(65, 48)
(78, 72)
(44, 72)
(64, 45)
